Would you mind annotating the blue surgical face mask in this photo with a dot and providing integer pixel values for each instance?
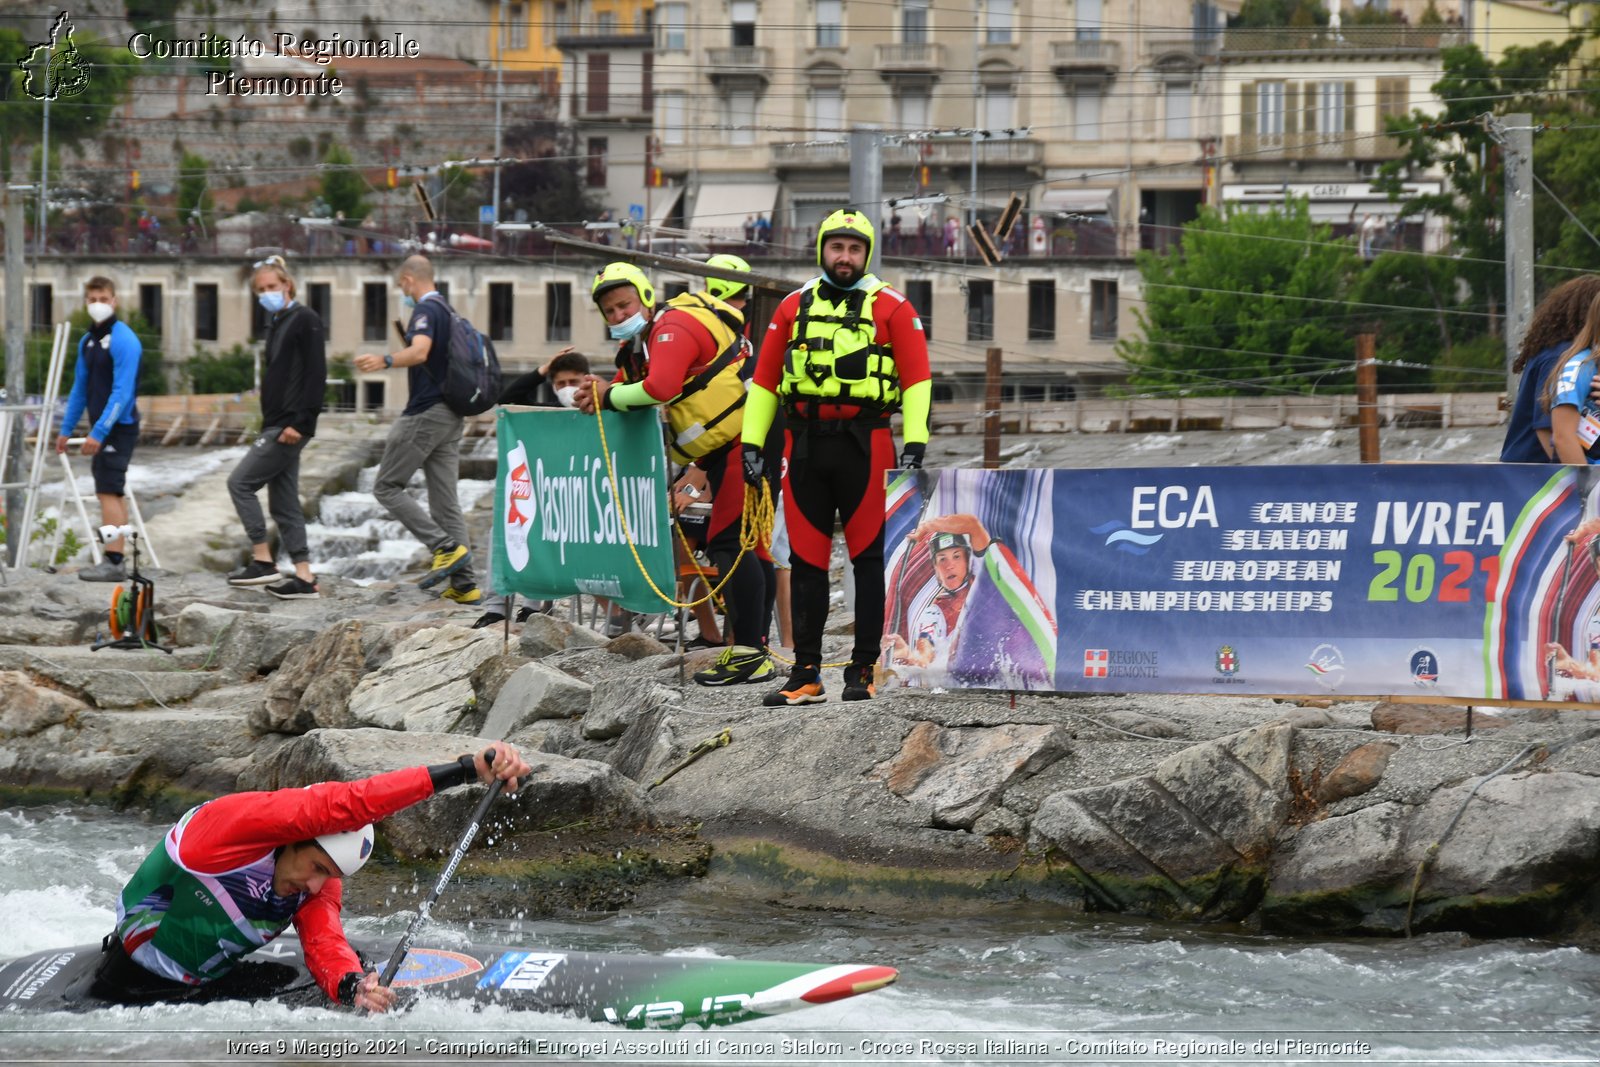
(273, 300)
(407, 302)
(628, 328)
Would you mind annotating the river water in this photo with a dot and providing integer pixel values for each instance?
(1090, 990)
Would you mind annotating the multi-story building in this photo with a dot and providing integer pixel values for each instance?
(606, 99)
(1303, 113)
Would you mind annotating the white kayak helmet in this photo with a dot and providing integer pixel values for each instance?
(350, 850)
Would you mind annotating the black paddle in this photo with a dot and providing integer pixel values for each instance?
(392, 968)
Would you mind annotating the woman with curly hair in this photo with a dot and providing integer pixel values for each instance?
(1556, 322)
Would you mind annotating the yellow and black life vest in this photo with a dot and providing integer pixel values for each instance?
(833, 352)
(709, 412)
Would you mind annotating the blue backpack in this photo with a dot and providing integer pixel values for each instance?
(471, 382)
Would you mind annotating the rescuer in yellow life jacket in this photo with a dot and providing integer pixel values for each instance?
(841, 355)
(688, 357)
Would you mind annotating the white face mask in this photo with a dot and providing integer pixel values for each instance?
(99, 312)
(628, 328)
(567, 395)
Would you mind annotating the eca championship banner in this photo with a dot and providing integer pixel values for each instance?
(1461, 581)
(558, 521)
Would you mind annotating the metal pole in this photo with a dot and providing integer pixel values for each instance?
(1518, 154)
(16, 369)
(1367, 396)
(977, 110)
(991, 413)
(499, 86)
(44, 159)
(866, 182)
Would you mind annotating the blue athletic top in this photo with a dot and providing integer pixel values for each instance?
(104, 381)
(1572, 389)
(1528, 415)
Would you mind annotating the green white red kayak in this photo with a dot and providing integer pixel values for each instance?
(633, 991)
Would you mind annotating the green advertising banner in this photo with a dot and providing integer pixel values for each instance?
(559, 529)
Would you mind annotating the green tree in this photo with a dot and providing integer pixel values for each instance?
(72, 118)
(343, 187)
(1269, 14)
(1458, 141)
(1248, 303)
(550, 188)
(1413, 341)
(194, 190)
(232, 371)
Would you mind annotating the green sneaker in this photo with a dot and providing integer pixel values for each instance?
(740, 663)
(446, 562)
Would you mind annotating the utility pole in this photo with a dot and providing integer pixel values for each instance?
(1367, 396)
(991, 410)
(16, 369)
(44, 160)
(1515, 135)
(499, 93)
(866, 182)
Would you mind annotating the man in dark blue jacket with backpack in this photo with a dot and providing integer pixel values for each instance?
(426, 437)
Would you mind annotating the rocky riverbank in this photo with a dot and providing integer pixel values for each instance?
(1350, 818)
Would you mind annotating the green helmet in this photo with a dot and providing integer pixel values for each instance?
(722, 288)
(845, 223)
(614, 274)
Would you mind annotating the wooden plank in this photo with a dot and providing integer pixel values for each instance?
(174, 430)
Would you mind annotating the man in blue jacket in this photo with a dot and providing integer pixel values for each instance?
(104, 383)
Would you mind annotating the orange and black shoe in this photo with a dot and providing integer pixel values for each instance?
(858, 682)
(803, 687)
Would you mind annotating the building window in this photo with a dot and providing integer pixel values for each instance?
(671, 118)
(1102, 310)
(1331, 109)
(999, 108)
(558, 311)
(1269, 108)
(672, 289)
(1042, 310)
(1086, 115)
(827, 110)
(830, 23)
(319, 298)
(914, 22)
(259, 320)
(205, 312)
(596, 176)
(1089, 20)
(980, 311)
(605, 23)
(1394, 98)
(517, 26)
(741, 117)
(150, 306)
(920, 293)
(911, 109)
(500, 311)
(999, 29)
(375, 311)
(563, 20)
(41, 308)
(673, 19)
(742, 14)
(442, 287)
(599, 70)
(1180, 108)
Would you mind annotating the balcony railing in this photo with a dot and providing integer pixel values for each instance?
(1018, 152)
(1199, 46)
(611, 105)
(1086, 54)
(1296, 40)
(740, 61)
(924, 58)
(814, 154)
(1267, 147)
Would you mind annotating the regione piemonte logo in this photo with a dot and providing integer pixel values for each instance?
(55, 69)
(519, 507)
(1096, 662)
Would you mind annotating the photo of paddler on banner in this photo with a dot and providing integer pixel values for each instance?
(962, 608)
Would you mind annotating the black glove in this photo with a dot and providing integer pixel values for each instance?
(755, 466)
(911, 456)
